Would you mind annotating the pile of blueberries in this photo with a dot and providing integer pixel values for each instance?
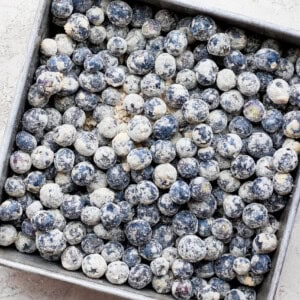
(156, 150)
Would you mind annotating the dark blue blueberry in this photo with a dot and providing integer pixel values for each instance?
(117, 177)
(28, 228)
(110, 215)
(34, 181)
(239, 246)
(242, 229)
(264, 79)
(204, 269)
(138, 232)
(82, 5)
(176, 95)
(260, 264)
(149, 213)
(200, 52)
(25, 141)
(272, 121)
(198, 284)
(43, 220)
(180, 192)
(62, 9)
(267, 59)
(240, 126)
(64, 160)
(224, 267)
(119, 13)
(59, 63)
(185, 222)
(163, 152)
(211, 96)
(140, 14)
(164, 235)
(131, 257)
(151, 250)
(93, 63)
(10, 210)
(165, 127)
(166, 206)
(144, 174)
(80, 54)
(235, 61)
(243, 167)
(71, 206)
(275, 203)
(203, 209)
(204, 227)
(188, 167)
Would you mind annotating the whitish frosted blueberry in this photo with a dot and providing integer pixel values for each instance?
(147, 192)
(24, 243)
(83, 173)
(182, 269)
(285, 160)
(255, 215)
(243, 167)
(182, 289)
(117, 272)
(139, 276)
(278, 91)
(203, 27)
(159, 266)
(140, 62)
(112, 251)
(152, 85)
(185, 222)
(204, 227)
(34, 181)
(64, 160)
(139, 175)
(95, 15)
(155, 108)
(138, 232)
(34, 120)
(260, 264)
(248, 83)
(230, 145)
(176, 95)
(185, 148)
(164, 175)
(131, 257)
(206, 153)
(150, 250)
(10, 210)
(239, 246)
(264, 243)
(262, 188)
(133, 104)
(217, 120)
(283, 183)
(162, 151)
(214, 248)
(295, 94)
(94, 266)
(233, 206)
(93, 63)
(222, 228)
(235, 61)
(59, 63)
(187, 78)
(264, 167)
(149, 213)
(74, 232)
(36, 98)
(191, 248)
(51, 243)
(119, 13)
(176, 42)
(188, 167)
(42, 157)
(219, 44)
(62, 9)
(206, 72)
(200, 188)
(77, 27)
(14, 186)
(101, 196)
(115, 76)
(195, 111)
(235, 294)
(165, 66)
(122, 144)
(250, 279)
(185, 61)
(132, 84)
(139, 158)
(25, 141)
(71, 258)
(249, 292)
(63, 103)
(108, 59)
(226, 80)
(179, 192)
(51, 195)
(224, 267)
(90, 215)
(105, 157)
(165, 127)
(259, 144)
(92, 82)
(135, 40)
(110, 215)
(291, 124)
(241, 265)
(139, 128)
(232, 101)
(151, 28)
(167, 19)
(254, 111)
(8, 235)
(267, 59)
(71, 206)
(166, 206)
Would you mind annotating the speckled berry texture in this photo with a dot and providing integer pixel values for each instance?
(212, 154)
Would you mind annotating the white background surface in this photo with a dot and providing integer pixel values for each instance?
(16, 17)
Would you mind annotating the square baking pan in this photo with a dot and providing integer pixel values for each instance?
(35, 264)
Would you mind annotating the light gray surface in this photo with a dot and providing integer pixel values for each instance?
(16, 18)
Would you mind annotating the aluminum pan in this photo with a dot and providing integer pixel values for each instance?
(34, 264)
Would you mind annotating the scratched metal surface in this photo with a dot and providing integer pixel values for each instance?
(16, 24)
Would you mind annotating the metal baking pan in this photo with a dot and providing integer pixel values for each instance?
(35, 264)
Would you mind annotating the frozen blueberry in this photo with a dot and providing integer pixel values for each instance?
(165, 127)
(10, 210)
(206, 72)
(229, 145)
(203, 27)
(77, 27)
(162, 151)
(139, 175)
(62, 9)
(119, 13)
(105, 157)
(255, 215)
(138, 232)
(139, 276)
(152, 85)
(243, 167)
(167, 19)
(74, 232)
(278, 91)
(94, 266)
(139, 158)
(221, 228)
(233, 206)
(35, 119)
(150, 250)
(164, 175)
(224, 267)
(92, 82)
(264, 243)
(217, 120)
(147, 192)
(140, 62)
(118, 177)
(91, 244)
(110, 215)
(179, 192)
(260, 264)
(93, 63)
(34, 181)
(202, 135)
(155, 108)
(188, 167)
(151, 28)
(166, 206)
(14, 186)
(218, 44)
(235, 61)
(182, 269)
(267, 59)
(239, 246)
(185, 222)
(241, 265)
(259, 144)
(149, 213)
(131, 257)
(165, 66)
(285, 160)
(176, 42)
(112, 251)
(262, 188)
(195, 111)
(182, 289)
(83, 173)
(226, 80)
(191, 248)
(71, 206)
(187, 78)
(117, 272)
(139, 128)
(232, 101)
(36, 98)
(290, 124)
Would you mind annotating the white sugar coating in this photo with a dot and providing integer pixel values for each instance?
(94, 266)
(191, 248)
(160, 266)
(133, 104)
(48, 47)
(139, 128)
(101, 196)
(108, 127)
(65, 45)
(34, 207)
(117, 272)
(42, 157)
(278, 91)
(51, 195)
(20, 162)
(226, 80)
(122, 144)
(71, 258)
(65, 135)
(25, 244)
(86, 143)
(164, 175)
(8, 235)
(90, 215)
